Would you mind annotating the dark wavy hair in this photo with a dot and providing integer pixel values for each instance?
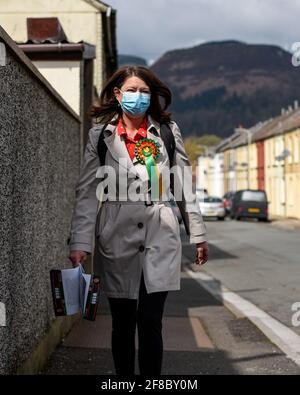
(108, 105)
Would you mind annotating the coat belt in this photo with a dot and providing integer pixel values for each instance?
(143, 202)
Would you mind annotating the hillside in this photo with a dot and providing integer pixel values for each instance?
(219, 85)
(131, 60)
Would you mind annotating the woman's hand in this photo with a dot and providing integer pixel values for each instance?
(77, 257)
(201, 253)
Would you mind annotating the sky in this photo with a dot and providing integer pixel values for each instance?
(149, 28)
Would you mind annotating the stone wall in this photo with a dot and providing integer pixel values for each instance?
(39, 166)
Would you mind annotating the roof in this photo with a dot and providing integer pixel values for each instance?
(281, 124)
(288, 121)
(255, 130)
(227, 143)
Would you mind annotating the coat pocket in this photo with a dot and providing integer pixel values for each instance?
(168, 219)
(108, 223)
(102, 221)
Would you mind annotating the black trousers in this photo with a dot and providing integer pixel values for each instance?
(145, 313)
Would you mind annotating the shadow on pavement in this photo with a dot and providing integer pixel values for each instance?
(189, 252)
(191, 295)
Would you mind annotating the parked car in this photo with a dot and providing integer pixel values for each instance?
(251, 203)
(227, 200)
(212, 206)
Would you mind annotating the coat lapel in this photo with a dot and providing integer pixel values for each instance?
(118, 149)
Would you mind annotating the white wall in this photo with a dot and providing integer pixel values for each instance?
(201, 172)
(64, 76)
(218, 182)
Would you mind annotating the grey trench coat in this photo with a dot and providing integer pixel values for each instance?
(129, 238)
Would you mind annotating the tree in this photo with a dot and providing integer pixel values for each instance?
(195, 146)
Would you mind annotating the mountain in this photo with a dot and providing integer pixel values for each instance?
(219, 85)
(131, 60)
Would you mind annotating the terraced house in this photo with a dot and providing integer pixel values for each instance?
(292, 165)
(91, 21)
(269, 160)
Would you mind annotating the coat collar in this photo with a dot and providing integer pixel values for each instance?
(153, 124)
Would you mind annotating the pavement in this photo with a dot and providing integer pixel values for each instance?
(205, 332)
(285, 223)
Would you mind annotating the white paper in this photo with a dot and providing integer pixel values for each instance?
(76, 287)
(70, 280)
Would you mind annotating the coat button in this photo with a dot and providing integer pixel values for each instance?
(140, 225)
(141, 248)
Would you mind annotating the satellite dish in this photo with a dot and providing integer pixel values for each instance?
(285, 153)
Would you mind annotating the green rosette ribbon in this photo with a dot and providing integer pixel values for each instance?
(146, 152)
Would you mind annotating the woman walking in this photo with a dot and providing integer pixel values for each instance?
(137, 242)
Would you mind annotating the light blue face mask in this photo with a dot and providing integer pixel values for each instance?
(135, 103)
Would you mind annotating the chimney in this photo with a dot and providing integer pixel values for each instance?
(40, 30)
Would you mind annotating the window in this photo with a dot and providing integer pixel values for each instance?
(212, 200)
(254, 196)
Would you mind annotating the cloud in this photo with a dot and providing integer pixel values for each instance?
(150, 28)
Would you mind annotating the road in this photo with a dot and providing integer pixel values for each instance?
(259, 262)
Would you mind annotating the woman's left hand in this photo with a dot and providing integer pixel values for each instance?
(201, 253)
